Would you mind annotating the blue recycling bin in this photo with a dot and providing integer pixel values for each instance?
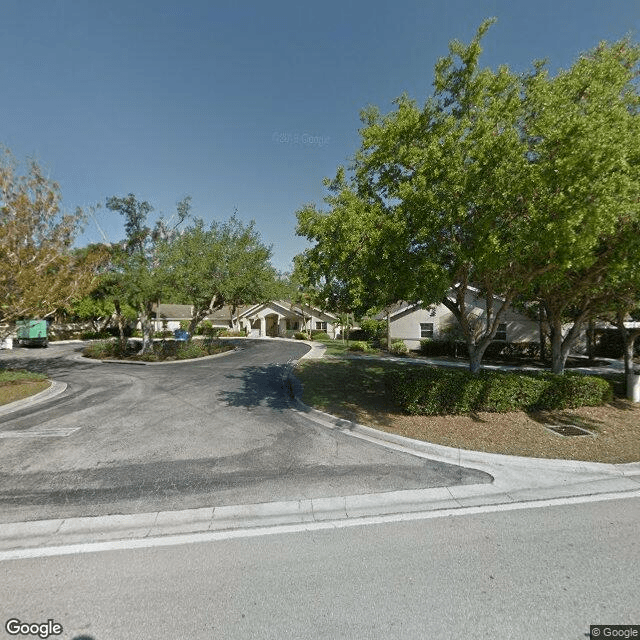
(181, 334)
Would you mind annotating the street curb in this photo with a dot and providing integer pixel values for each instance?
(94, 529)
(142, 362)
(525, 476)
(54, 390)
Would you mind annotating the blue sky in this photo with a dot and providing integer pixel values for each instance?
(242, 105)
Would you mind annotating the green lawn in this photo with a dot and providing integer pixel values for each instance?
(16, 385)
(339, 348)
(344, 385)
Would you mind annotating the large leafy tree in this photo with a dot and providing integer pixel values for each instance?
(435, 202)
(583, 131)
(39, 271)
(137, 277)
(226, 263)
(520, 186)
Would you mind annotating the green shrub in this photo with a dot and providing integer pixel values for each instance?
(206, 328)
(439, 391)
(300, 336)
(320, 335)
(375, 331)
(358, 345)
(399, 348)
(105, 349)
(449, 348)
(161, 351)
(609, 344)
(512, 350)
(228, 333)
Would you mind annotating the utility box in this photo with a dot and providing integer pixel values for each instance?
(32, 333)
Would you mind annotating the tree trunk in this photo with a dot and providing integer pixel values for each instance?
(591, 337)
(558, 358)
(147, 328)
(388, 331)
(629, 340)
(234, 320)
(543, 339)
(475, 358)
(560, 346)
(193, 323)
(123, 342)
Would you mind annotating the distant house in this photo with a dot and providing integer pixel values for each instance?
(282, 318)
(276, 318)
(412, 322)
(169, 316)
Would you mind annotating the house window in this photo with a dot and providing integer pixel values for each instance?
(501, 333)
(292, 326)
(426, 330)
(321, 326)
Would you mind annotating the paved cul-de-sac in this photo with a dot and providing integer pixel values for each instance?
(127, 438)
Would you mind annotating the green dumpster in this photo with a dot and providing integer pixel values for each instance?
(32, 332)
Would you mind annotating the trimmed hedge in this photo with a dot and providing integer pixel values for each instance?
(430, 347)
(508, 350)
(440, 391)
(320, 335)
(609, 344)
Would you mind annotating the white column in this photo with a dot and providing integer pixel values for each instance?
(633, 387)
(263, 326)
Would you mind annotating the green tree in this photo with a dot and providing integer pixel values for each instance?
(584, 134)
(520, 186)
(224, 264)
(435, 202)
(138, 278)
(39, 272)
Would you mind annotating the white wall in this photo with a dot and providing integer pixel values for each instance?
(406, 325)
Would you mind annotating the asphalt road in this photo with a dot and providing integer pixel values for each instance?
(176, 436)
(545, 573)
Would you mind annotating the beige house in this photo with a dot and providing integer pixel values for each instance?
(414, 322)
(282, 318)
(170, 316)
(277, 318)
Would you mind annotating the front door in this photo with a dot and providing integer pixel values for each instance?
(272, 326)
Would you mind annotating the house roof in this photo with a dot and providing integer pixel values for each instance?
(398, 308)
(286, 308)
(224, 313)
(173, 311)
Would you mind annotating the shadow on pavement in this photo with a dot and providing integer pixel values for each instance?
(261, 387)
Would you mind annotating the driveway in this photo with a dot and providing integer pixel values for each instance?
(211, 432)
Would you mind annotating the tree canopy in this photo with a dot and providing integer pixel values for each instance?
(519, 185)
(39, 272)
(225, 264)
